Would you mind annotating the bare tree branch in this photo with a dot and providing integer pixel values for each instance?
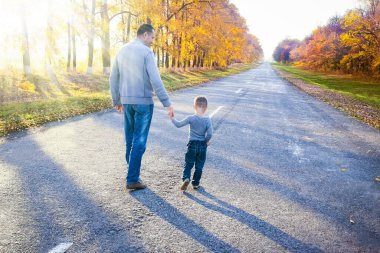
(122, 12)
(184, 6)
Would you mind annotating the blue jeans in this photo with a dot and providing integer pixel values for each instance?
(137, 119)
(195, 155)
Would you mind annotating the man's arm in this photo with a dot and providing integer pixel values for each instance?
(115, 84)
(156, 81)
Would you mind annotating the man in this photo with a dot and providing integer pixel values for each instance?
(133, 78)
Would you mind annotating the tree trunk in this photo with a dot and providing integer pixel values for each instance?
(25, 48)
(69, 47)
(167, 47)
(158, 57)
(163, 57)
(128, 26)
(49, 37)
(91, 39)
(179, 52)
(194, 61)
(167, 60)
(173, 57)
(105, 38)
(74, 50)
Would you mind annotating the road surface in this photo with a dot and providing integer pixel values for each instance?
(284, 173)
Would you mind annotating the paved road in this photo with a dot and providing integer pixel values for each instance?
(285, 173)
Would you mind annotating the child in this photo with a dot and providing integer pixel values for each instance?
(199, 138)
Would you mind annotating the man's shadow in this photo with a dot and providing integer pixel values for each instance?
(275, 234)
(172, 215)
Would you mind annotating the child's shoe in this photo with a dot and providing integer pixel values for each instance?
(196, 187)
(185, 184)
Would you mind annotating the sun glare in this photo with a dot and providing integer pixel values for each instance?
(35, 14)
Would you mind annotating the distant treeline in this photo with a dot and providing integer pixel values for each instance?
(189, 34)
(349, 44)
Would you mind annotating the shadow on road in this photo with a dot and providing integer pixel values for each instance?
(61, 211)
(170, 214)
(275, 234)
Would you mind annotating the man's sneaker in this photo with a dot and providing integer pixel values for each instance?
(186, 182)
(136, 186)
(196, 187)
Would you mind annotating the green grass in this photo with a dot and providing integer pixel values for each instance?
(18, 116)
(77, 94)
(365, 91)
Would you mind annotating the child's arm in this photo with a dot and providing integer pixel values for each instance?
(181, 123)
(209, 131)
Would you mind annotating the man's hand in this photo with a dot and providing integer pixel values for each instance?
(119, 108)
(170, 112)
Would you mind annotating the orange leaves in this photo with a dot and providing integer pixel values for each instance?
(350, 43)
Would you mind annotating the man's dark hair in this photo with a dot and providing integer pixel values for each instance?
(145, 28)
(200, 102)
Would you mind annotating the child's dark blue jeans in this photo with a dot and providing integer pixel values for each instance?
(195, 155)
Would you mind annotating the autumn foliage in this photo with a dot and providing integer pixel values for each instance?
(198, 33)
(189, 34)
(349, 44)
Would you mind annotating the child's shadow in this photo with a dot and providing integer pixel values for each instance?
(275, 234)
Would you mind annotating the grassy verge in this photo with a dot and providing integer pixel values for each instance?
(358, 98)
(77, 95)
(368, 92)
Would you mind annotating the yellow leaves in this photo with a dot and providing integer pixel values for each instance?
(120, 26)
(28, 86)
(350, 19)
(343, 169)
(377, 179)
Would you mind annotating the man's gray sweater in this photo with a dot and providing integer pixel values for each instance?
(135, 75)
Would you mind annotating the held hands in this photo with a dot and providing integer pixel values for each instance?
(170, 112)
(119, 108)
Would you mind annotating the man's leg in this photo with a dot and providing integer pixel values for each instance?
(142, 119)
(129, 122)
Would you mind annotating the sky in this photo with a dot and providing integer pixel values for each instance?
(274, 20)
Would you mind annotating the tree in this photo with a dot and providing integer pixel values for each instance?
(282, 51)
(25, 47)
(89, 19)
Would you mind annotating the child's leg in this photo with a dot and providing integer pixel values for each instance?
(189, 162)
(199, 163)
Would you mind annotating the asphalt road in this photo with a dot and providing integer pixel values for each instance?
(284, 173)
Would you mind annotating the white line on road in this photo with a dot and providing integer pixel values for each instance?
(215, 112)
(239, 90)
(61, 248)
